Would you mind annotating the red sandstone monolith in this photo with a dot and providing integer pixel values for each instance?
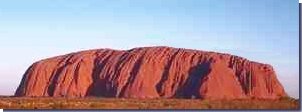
(150, 72)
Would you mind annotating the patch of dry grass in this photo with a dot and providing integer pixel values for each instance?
(112, 103)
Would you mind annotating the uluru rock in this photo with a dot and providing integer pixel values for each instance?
(150, 72)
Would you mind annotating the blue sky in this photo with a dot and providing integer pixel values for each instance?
(260, 30)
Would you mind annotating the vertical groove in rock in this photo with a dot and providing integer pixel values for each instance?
(56, 74)
(97, 86)
(165, 73)
(133, 73)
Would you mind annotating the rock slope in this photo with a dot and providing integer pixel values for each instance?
(150, 72)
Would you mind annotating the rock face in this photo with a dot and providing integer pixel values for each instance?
(150, 72)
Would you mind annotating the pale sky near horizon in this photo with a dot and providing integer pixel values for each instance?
(259, 30)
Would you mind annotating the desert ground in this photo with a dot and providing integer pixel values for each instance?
(118, 103)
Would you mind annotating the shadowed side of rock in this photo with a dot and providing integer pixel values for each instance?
(150, 72)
